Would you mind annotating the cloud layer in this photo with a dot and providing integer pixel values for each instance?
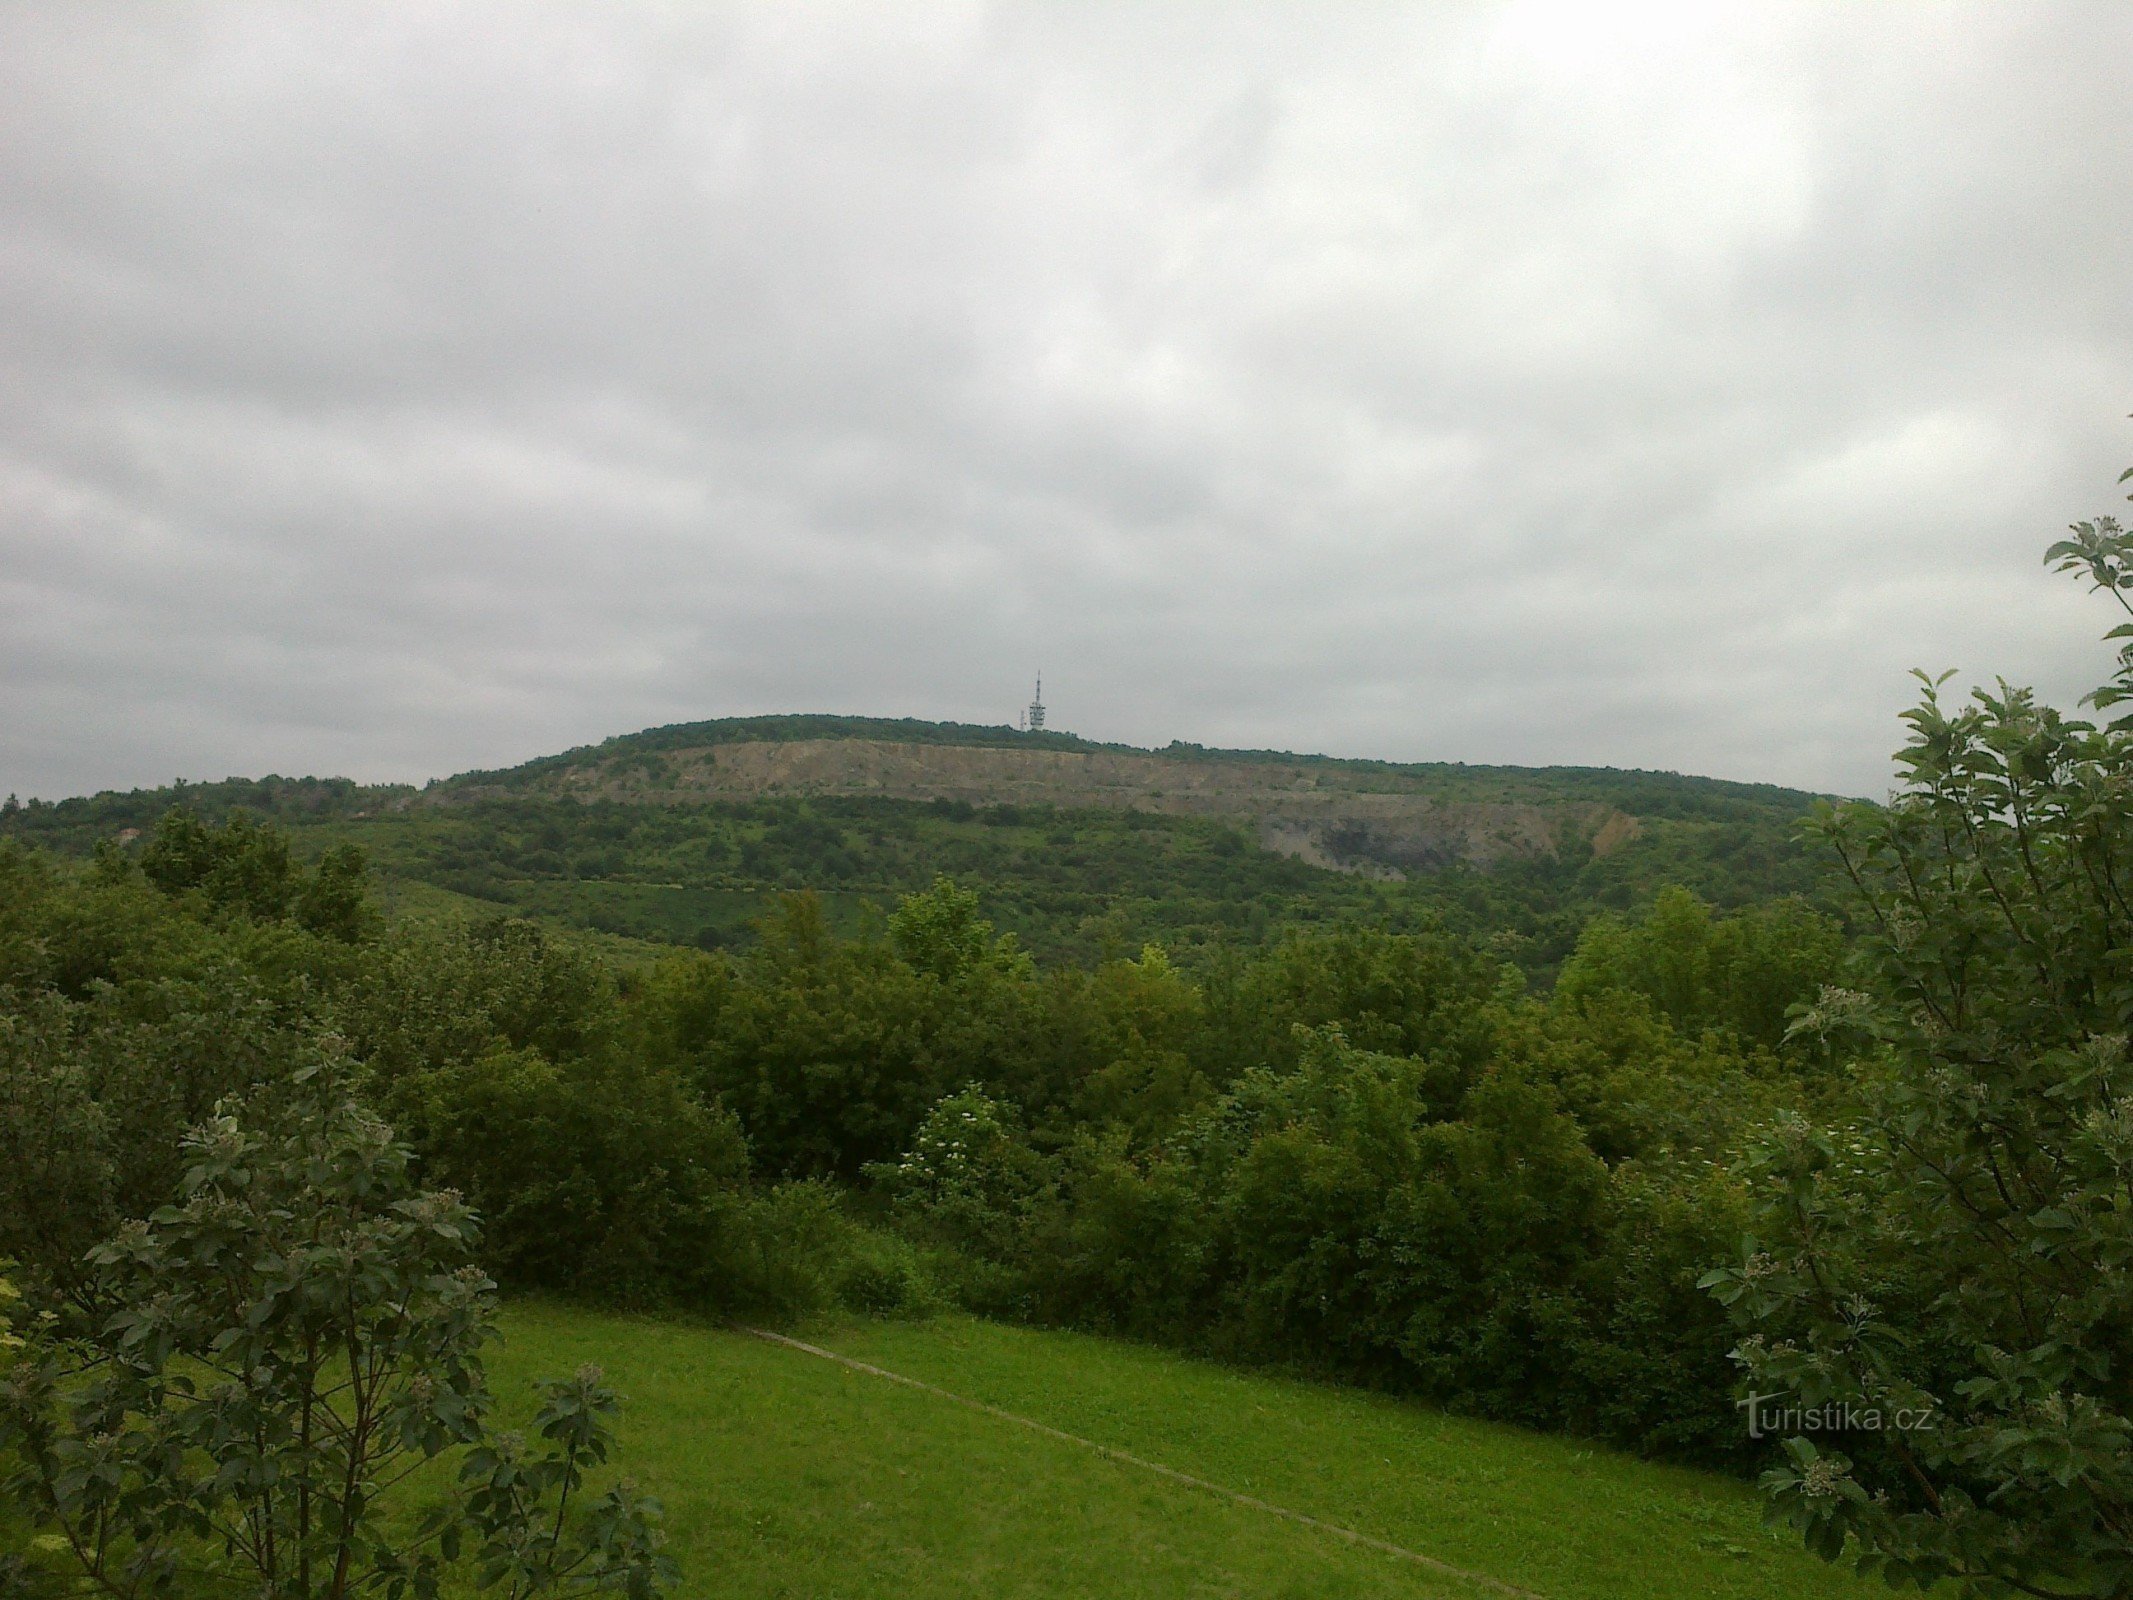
(392, 390)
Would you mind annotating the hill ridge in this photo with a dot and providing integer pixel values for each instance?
(793, 727)
(1373, 817)
(1376, 817)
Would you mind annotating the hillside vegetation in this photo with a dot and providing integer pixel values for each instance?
(686, 835)
(1371, 1151)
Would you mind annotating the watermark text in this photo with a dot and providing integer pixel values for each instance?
(1768, 1414)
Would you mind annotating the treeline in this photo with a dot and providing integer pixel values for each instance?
(78, 823)
(1369, 1153)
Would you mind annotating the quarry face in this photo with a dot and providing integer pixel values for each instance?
(1379, 824)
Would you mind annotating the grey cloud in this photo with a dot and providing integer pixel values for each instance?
(397, 389)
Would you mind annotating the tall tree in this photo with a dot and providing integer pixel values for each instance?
(1939, 1302)
(283, 1345)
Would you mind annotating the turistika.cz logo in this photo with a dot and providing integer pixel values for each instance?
(1766, 1417)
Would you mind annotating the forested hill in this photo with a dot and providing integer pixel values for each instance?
(1380, 818)
(655, 750)
(682, 833)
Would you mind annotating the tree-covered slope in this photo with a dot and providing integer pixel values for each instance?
(684, 834)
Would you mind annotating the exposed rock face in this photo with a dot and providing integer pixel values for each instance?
(1382, 825)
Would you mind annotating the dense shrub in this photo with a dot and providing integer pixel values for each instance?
(244, 868)
(431, 997)
(297, 1331)
(1354, 1216)
(592, 1175)
(1951, 1261)
(794, 1253)
(1738, 975)
(970, 1177)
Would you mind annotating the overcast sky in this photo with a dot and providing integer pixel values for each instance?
(395, 389)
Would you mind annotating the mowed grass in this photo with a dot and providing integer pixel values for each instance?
(788, 1475)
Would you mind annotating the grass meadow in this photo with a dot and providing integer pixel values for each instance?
(786, 1475)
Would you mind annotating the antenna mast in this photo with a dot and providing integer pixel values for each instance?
(1036, 708)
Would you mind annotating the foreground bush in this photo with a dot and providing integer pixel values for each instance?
(271, 1355)
(1950, 1277)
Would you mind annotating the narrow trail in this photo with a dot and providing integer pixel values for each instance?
(1126, 1457)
